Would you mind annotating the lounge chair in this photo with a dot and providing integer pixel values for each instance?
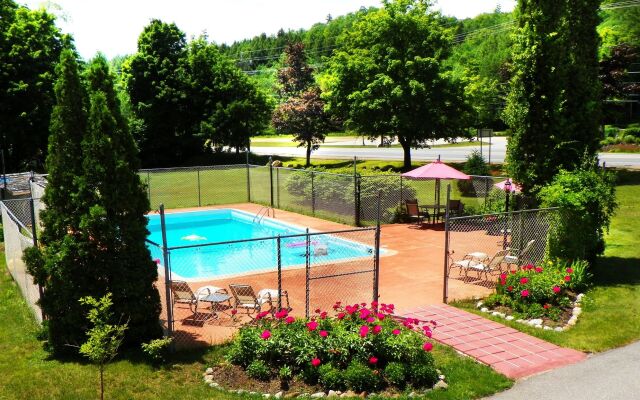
(414, 212)
(519, 257)
(182, 294)
(245, 297)
(480, 263)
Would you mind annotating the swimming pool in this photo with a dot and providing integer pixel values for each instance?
(232, 259)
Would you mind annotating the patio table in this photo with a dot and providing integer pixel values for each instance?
(215, 299)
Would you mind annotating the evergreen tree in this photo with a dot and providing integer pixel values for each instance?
(297, 75)
(56, 266)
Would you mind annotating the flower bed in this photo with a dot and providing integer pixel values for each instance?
(545, 295)
(358, 348)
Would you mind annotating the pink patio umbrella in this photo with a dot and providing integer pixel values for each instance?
(515, 187)
(436, 170)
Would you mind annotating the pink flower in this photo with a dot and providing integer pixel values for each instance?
(569, 270)
(371, 320)
(316, 362)
(524, 293)
(567, 278)
(538, 269)
(556, 289)
(363, 331)
(503, 276)
(396, 332)
(381, 316)
(262, 314)
(312, 325)
(528, 266)
(324, 334)
(524, 280)
(341, 315)
(265, 335)
(374, 304)
(323, 315)
(427, 346)
(282, 314)
(377, 329)
(364, 313)
(289, 320)
(373, 360)
(510, 288)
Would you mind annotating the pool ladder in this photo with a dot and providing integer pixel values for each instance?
(264, 211)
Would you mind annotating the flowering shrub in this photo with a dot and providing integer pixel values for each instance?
(540, 291)
(360, 347)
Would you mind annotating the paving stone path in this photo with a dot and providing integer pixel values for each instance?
(507, 350)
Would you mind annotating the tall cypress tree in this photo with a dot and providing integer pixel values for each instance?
(115, 222)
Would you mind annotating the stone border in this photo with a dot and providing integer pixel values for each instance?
(537, 322)
(208, 380)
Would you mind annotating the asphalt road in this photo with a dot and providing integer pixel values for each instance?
(498, 152)
(613, 375)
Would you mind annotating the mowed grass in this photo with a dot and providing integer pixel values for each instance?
(28, 372)
(611, 310)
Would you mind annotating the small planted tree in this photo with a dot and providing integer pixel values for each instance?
(104, 338)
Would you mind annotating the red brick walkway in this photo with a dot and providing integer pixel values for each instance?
(508, 351)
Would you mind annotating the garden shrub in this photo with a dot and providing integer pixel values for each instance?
(350, 348)
(331, 377)
(157, 349)
(611, 131)
(396, 374)
(475, 165)
(259, 370)
(423, 374)
(587, 201)
(361, 378)
(632, 131)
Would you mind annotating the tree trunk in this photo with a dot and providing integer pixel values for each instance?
(308, 154)
(101, 382)
(406, 148)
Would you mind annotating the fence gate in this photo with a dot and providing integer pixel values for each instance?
(352, 281)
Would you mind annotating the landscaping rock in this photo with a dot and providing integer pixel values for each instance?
(510, 318)
(536, 321)
(208, 378)
(479, 304)
(214, 385)
(577, 311)
(520, 321)
(253, 393)
(209, 371)
(333, 393)
(412, 394)
(278, 395)
(348, 393)
(579, 297)
(572, 321)
(363, 395)
(318, 395)
(539, 326)
(441, 385)
(266, 395)
(547, 328)
(291, 395)
(558, 329)
(441, 377)
(484, 309)
(240, 391)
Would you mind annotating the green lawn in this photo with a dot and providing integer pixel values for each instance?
(288, 143)
(27, 371)
(611, 312)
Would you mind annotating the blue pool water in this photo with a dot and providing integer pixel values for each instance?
(223, 260)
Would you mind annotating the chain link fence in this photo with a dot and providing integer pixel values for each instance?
(216, 287)
(17, 238)
(480, 247)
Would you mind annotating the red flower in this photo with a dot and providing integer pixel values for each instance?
(363, 331)
(363, 304)
(323, 315)
(373, 360)
(524, 280)
(315, 362)
(538, 269)
(262, 315)
(265, 335)
(381, 316)
(546, 306)
(289, 320)
(510, 288)
(427, 346)
(282, 314)
(371, 320)
(374, 304)
(396, 332)
(513, 272)
(377, 329)
(567, 278)
(341, 315)
(524, 293)
(317, 311)
(503, 276)
(234, 312)
(312, 325)
(556, 289)
(569, 270)
(364, 313)
(528, 266)
(324, 334)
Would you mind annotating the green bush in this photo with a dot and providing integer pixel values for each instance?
(611, 131)
(587, 201)
(629, 139)
(330, 377)
(475, 165)
(157, 349)
(423, 374)
(361, 378)
(632, 131)
(259, 370)
(396, 374)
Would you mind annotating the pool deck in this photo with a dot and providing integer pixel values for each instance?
(411, 274)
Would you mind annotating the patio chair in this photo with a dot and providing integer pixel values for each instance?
(182, 294)
(414, 212)
(245, 297)
(480, 263)
(456, 208)
(519, 257)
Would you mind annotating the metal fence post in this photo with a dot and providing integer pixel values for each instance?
(167, 272)
(376, 260)
(271, 178)
(445, 286)
(307, 274)
(199, 196)
(278, 185)
(356, 190)
(149, 186)
(279, 248)
(401, 193)
(313, 196)
(34, 234)
(248, 178)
